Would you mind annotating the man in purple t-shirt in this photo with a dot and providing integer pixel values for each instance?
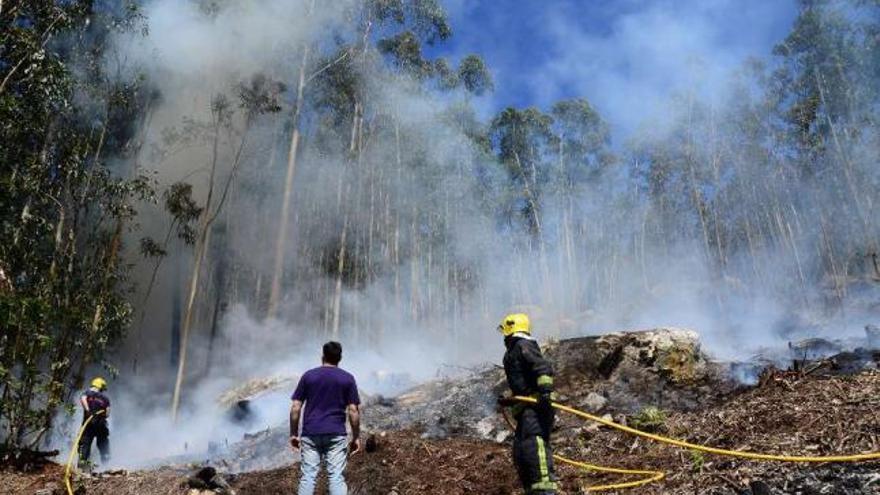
(327, 392)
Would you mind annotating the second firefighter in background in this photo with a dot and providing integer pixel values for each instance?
(530, 375)
(96, 411)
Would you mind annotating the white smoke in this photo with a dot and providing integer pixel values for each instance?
(196, 50)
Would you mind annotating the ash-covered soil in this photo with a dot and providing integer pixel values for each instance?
(445, 437)
(400, 462)
(788, 414)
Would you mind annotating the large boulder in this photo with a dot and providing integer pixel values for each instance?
(673, 353)
(619, 372)
(663, 367)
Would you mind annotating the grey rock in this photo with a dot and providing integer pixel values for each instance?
(760, 488)
(485, 427)
(594, 402)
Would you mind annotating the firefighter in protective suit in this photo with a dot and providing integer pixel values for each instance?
(529, 374)
(96, 410)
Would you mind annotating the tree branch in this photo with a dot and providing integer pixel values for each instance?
(47, 35)
(331, 64)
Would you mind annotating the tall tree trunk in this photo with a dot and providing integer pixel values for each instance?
(337, 293)
(848, 171)
(176, 312)
(529, 194)
(186, 324)
(219, 303)
(283, 222)
(395, 242)
(205, 222)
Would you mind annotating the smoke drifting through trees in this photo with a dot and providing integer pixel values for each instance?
(322, 178)
(374, 205)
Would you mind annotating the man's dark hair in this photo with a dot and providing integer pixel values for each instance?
(332, 353)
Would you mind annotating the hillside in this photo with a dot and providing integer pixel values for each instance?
(435, 440)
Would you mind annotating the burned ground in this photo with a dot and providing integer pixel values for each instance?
(813, 416)
(446, 437)
(400, 462)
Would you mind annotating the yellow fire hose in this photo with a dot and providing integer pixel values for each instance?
(687, 445)
(651, 475)
(74, 449)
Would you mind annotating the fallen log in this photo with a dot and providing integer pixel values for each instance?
(25, 459)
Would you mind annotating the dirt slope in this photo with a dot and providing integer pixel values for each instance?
(443, 437)
(402, 462)
(787, 415)
(813, 415)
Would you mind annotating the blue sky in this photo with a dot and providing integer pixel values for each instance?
(625, 56)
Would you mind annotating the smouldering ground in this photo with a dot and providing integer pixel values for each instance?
(789, 415)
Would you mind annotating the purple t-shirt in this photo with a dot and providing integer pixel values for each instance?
(326, 392)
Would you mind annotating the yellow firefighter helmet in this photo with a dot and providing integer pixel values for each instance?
(99, 383)
(515, 323)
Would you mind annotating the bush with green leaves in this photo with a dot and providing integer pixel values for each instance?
(64, 211)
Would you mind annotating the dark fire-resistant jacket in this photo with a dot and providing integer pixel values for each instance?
(528, 373)
(98, 404)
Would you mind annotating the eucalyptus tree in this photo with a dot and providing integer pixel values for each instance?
(357, 109)
(524, 139)
(227, 128)
(474, 75)
(389, 22)
(827, 90)
(582, 156)
(64, 208)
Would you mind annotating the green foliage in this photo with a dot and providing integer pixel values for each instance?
(405, 50)
(697, 461)
(261, 96)
(183, 209)
(426, 17)
(447, 78)
(823, 72)
(584, 140)
(63, 212)
(651, 419)
(524, 137)
(524, 140)
(334, 93)
(474, 75)
(152, 249)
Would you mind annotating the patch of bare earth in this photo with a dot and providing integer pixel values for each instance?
(787, 415)
(401, 462)
(405, 463)
(442, 437)
(813, 416)
(17, 482)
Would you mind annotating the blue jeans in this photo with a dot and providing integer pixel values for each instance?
(317, 448)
